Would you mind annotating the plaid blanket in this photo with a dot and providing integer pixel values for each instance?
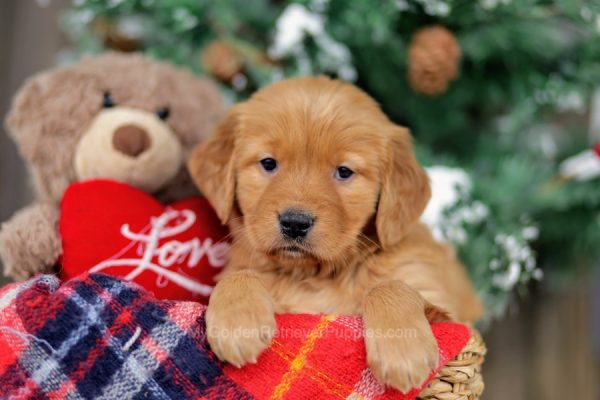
(99, 337)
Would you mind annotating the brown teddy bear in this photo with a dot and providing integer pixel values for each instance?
(118, 116)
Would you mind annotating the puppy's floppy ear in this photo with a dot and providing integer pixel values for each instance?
(436, 314)
(211, 167)
(404, 190)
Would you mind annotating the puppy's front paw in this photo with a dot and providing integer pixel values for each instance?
(240, 325)
(402, 357)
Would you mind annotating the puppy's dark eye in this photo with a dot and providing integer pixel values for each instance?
(107, 100)
(268, 164)
(343, 173)
(163, 113)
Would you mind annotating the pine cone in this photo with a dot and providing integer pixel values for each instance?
(433, 59)
(222, 60)
(113, 37)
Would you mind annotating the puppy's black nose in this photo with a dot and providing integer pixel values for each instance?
(295, 224)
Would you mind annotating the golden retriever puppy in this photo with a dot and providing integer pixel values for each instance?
(323, 196)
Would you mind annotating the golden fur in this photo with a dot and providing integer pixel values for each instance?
(366, 254)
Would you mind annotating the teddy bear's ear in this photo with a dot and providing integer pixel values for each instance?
(46, 120)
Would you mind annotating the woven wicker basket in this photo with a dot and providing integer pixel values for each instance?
(461, 378)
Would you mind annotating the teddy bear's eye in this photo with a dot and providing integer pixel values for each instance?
(163, 113)
(107, 100)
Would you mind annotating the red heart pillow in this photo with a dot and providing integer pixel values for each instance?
(172, 250)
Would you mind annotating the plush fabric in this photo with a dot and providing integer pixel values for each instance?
(53, 109)
(100, 337)
(53, 112)
(29, 242)
(174, 251)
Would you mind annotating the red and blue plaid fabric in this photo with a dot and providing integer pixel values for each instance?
(98, 337)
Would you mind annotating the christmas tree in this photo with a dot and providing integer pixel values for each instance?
(496, 93)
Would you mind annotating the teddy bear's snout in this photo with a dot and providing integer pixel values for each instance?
(131, 140)
(129, 145)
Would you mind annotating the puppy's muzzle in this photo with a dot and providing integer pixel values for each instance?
(295, 224)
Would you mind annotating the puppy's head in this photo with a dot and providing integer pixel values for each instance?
(308, 162)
